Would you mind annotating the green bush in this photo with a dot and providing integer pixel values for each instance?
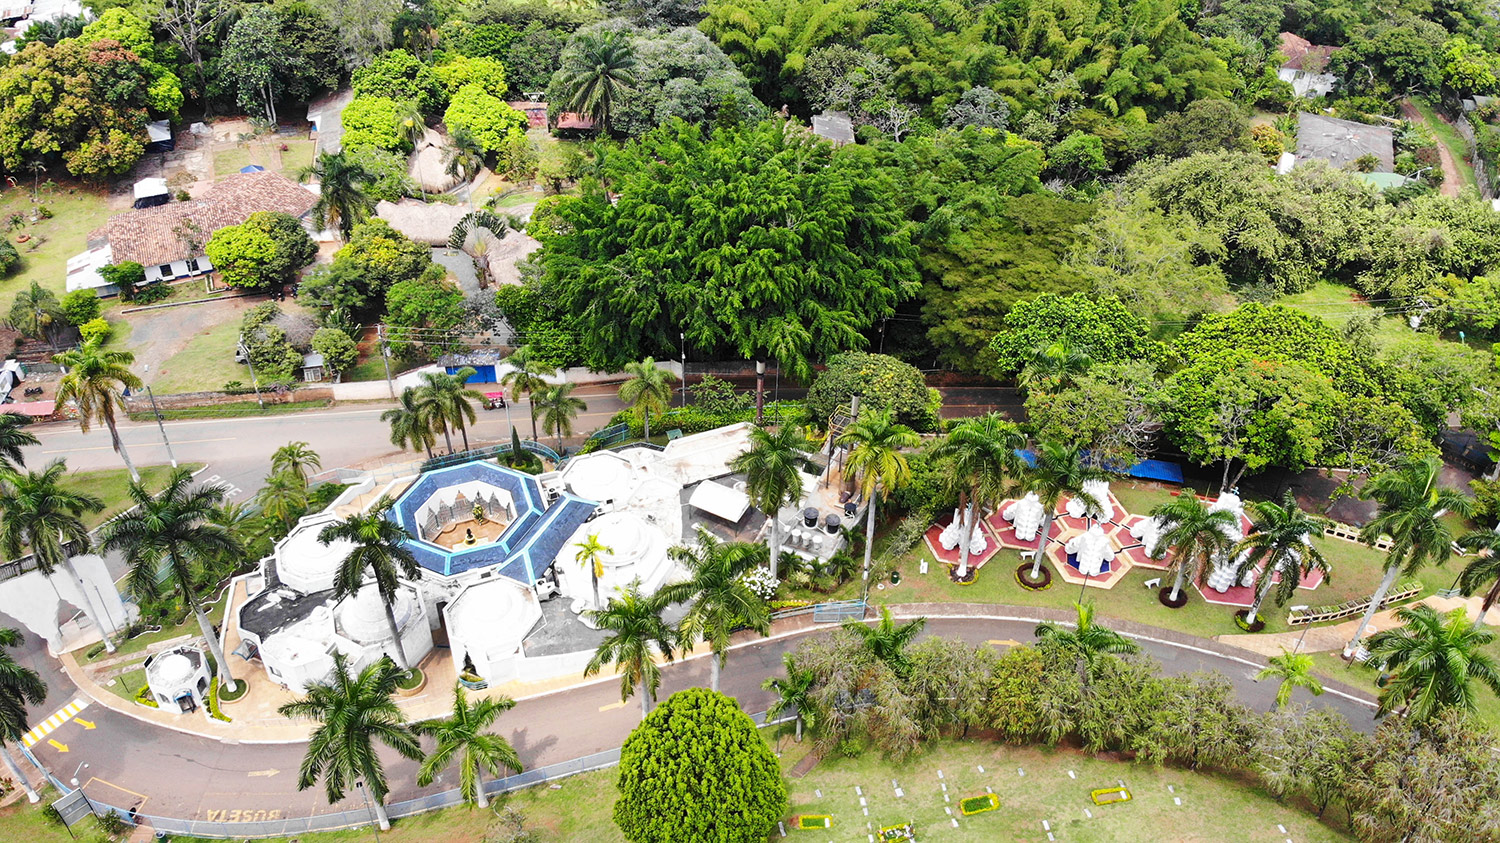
(882, 382)
(152, 294)
(81, 306)
(9, 257)
(95, 329)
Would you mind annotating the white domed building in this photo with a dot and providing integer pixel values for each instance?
(179, 679)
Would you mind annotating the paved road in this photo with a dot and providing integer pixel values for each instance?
(197, 778)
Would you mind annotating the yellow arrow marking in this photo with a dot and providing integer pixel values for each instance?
(87, 724)
(264, 773)
(60, 747)
(620, 704)
(1003, 642)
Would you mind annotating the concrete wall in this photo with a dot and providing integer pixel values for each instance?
(139, 403)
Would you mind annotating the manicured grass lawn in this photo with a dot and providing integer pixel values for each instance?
(189, 626)
(77, 210)
(206, 363)
(1448, 136)
(112, 486)
(369, 369)
(264, 152)
(23, 822)
(238, 408)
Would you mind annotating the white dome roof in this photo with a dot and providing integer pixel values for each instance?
(627, 536)
(362, 617)
(174, 669)
(306, 564)
(493, 616)
(599, 477)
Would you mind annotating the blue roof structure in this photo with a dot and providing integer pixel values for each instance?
(528, 546)
(1169, 472)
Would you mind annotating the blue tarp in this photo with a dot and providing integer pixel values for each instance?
(1169, 472)
(253, 168)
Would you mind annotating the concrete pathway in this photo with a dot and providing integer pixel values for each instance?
(1323, 639)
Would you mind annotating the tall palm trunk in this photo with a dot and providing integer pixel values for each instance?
(390, 617)
(381, 817)
(799, 727)
(645, 697)
(480, 798)
(1375, 601)
(119, 446)
(1041, 543)
(594, 572)
(207, 629)
(464, 429)
(531, 405)
(103, 611)
(447, 439)
(15, 772)
(970, 517)
(870, 529)
(713, 671)
(1177, 583)
(1260, 594)
(775, 544)
(646, 420)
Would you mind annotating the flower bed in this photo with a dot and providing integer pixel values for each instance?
(978, 804)
(213, 704)
(1109, 795)
(905, 831)
(807, 822)
(143, 696)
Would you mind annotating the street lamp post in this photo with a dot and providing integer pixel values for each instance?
(760, 391)
(375, 826)
(682, 338)
(161, 427)
(245, 350)
(74, 781)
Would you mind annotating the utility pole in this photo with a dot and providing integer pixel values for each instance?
(163, 428)
(245, 350)
(385, 357)
(682, 337)
(760, 391)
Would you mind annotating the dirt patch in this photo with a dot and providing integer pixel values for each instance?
(1452, 181)
(159, 334)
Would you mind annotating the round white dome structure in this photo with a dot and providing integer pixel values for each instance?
(636, 550)
(306, 564)
(602, 477)
(487, 623)
(179, 679)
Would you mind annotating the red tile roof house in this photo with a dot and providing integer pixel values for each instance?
(168, 240)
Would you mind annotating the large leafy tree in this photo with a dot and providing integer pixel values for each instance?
(1434, 660)
(1281, 541)
(875, 442)
(636, 634)
(166, 537)
(379, 552)
(411, 422)
(464, 736)
(93, 382)
(697, 770)
(793, 694)
(718, 599)
(1427, 780)
(887, 641)
(773, 475)
(882, 383)
(353, 712)
(41, 514)
(558, 407)
(755, 242)
(1194, 535)
(1483, 570)
(20, 686)
(981, 454)
(36, 313)
(1410, 505)
(1086, 640)
(282, 53)
(449, 401)
(1099, 326)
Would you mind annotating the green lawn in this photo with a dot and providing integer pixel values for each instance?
(77, 210)
(112, 485)
(1448, 136)
(369, 369)
(189, 626)
(206, 363)
(24, 822)
(237, 408)
(580, 807)
(265, 152)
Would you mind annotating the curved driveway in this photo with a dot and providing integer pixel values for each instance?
(166, 773)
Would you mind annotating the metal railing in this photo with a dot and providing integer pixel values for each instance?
(477, 454)
(831, 612)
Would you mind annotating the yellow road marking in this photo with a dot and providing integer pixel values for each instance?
(1003, 642)
(87, 724)
(46, 727)
(620, 704)
(265, 773)
(60, 747)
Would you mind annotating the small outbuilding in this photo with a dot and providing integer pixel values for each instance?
(151, 192)
(1343, 142)
(179, 679)
(834, 126)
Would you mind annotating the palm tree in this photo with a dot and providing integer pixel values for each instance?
(449, 401)
(411, 423)
(297, 459)
(36, 313)
(1055, 366)
(93, 381)
(887, 641)
(1088, 640)
(718, 600)
(465, 734)
(875, 442)
(604, 74)
(169, 533)
(773, 477)
(464, 157)
(794, 693)
(636, 633)
(283, 498)
(12, 440)
(980, 453)
(39, 513)
(527, 375)
(1434, 660)
(1196, 536)
(1410, 504)
(379, 551)
(1282, 539)
(20, 686)
(648, 391)
(353, 712)
(342, 198)
(1060, 470)
(1484, 569)
(1294, 671)
(591, 553)
(558, 409)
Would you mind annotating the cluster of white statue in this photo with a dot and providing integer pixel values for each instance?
(1026, 514)
(953, 534)
(1221, 576)
(1091, 550)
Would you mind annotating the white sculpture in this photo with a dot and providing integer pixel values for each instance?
(1148, 532)
(1221, 578)
(1091, 550)
(1221, 575)
(1093, 503)
(1026, 514)
(953, 535)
